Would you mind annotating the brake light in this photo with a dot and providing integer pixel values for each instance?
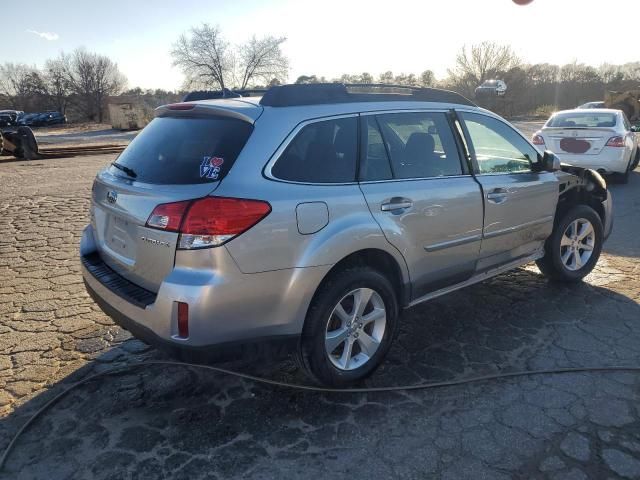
(209, 221)
(537, 140)
(181, 106)
(168, 216)
(615, 142)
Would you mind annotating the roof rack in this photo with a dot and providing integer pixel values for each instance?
(225, 93)
(323, 93)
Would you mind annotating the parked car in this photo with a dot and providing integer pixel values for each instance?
(9, 118)
(42, 119)
(592, 105)
(312, 216)
(602, 139)
(28, 119)
(491, 88)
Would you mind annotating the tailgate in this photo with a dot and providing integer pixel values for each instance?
(142, 255)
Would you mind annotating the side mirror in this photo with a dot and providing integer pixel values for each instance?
(635, 128)
(550, 163)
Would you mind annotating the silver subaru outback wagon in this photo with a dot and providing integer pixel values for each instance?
(311, 217)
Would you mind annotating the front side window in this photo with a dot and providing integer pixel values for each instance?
(498, 147)
(420, 145)
(322, 152)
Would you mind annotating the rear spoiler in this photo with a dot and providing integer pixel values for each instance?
(242, 112)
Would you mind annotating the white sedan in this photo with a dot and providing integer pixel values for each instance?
(599, 138)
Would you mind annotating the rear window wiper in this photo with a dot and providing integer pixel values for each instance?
(127, 170)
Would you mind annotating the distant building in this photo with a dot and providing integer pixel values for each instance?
(128, 112)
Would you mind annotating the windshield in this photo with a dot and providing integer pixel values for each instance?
(582, 120)
(181, 150)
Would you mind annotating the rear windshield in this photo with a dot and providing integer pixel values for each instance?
(582, 120)
(184, 150)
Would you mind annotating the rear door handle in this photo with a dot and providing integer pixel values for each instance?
(396, 204)
(497, 195)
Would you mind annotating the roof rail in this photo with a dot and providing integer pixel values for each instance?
(322, 93)
(225, 93)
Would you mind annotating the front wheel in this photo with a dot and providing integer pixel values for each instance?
(573, 249)
(349, 327)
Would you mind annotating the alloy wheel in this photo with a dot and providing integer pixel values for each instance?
(355, 329)
(577, 244)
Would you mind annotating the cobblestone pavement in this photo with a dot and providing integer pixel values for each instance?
(176, 423)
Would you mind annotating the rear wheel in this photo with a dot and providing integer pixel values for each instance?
(574, 247)
(349, 327)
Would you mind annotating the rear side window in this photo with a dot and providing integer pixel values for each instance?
(375, 165)
(322, 152)
(184, 150)
(420, 145)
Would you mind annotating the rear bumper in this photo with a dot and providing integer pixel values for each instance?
(610, 160)
(227, 308)
(264, 347)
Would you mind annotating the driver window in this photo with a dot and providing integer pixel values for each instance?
(420, 145)
(498, 148)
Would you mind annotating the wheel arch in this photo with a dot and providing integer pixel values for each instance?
(379, 260)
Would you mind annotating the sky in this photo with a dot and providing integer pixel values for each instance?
(325, 38)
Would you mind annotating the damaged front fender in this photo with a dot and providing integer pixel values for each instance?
(584, 186)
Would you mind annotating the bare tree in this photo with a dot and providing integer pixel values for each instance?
(262, 59)
(427, 79)
(93, 77)
(20, 84)
(58, 85)
(204, 57)
(479, 63)
(209, 61)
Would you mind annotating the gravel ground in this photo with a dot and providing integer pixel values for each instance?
(176, 423)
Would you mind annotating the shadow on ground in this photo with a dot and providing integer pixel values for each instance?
(172, 422)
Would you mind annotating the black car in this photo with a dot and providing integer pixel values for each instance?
(10, 118)
(51, 118)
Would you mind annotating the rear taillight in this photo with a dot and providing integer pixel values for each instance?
(209, 221)
(615, 142)
(168, 216)
(537, 140)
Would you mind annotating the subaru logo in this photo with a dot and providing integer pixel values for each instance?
(112, 196)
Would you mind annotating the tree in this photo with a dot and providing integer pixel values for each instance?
(58, 85)
(20, 83)
(386, 77)
(209, 61)
(481, 62)
(262, 59)
(427, 79)
(307, 79)
(92, 78)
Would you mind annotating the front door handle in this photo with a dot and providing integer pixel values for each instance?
(396, 203)
(497, 195)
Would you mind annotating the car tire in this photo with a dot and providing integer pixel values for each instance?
(340, 343)
(567, 257)
(28, 143)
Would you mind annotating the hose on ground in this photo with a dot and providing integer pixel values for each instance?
(309, 388)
